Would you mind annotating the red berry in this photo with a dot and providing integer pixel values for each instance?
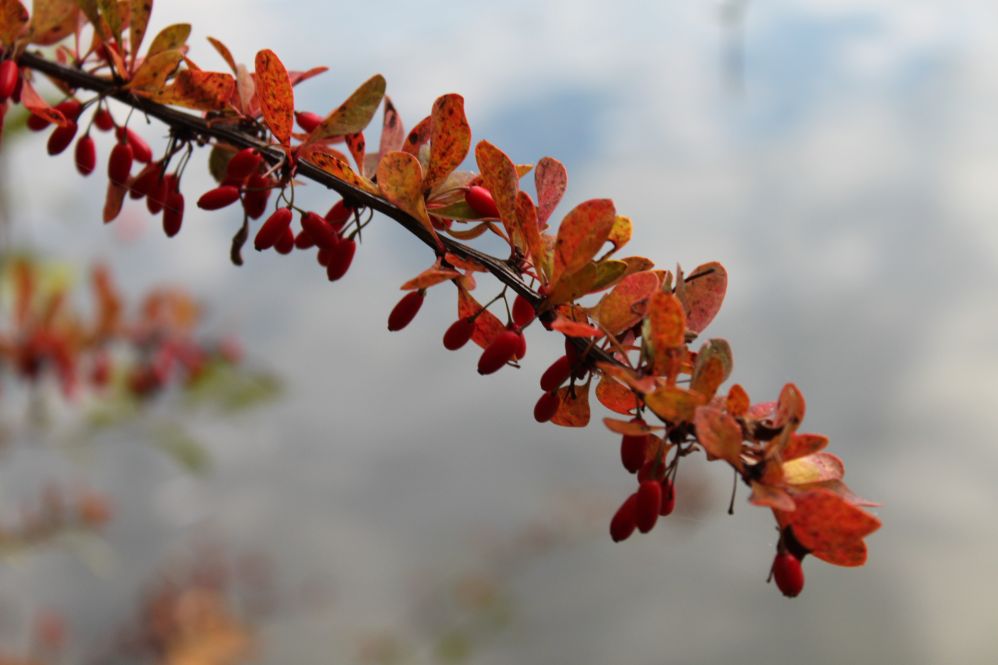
(160, 191)
(339, 215)
(341, 256)
(459, 333)
(523, 311)
(103, 120)
(140, 149)
(521, 348)
(173, 213)
(546, 407)
(556, 374)
(9, 74)
(633, 450)
(86, 155)
(146, 181)
(323, 256)
(788, 573)
(219, 197)
(37, 123)
(649, 503)
(308, 120)
(257, 193)
(405, 310)
(303, 240)
(242, 164)
(61, 137)
(119, 164)
(624, 520)
(285, 242)
(481, 201)
(502, 349)
(668, 498)
(273, 229)
(319, 230)
(70, 108)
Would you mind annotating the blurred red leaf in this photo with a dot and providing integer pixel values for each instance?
(551, 180)
(702, 294)
(573, 410)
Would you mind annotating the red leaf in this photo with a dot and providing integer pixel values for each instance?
(487, 325)
(573, 411)
(430, 277)
(625, 305)
(719, 434)
(551, 180)
(37, 105)
(200, 90)
(575, 328)
(450, 139)
(614, 396)
(501, 179)
(830, 527)
(276, 97)
(674, 404)
(581, 235)
(702, 294)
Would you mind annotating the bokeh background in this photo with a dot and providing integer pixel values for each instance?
(838, 157)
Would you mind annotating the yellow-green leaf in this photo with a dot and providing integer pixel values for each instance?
(13, 18)
(674, 404)
(138, 21)
(170, 38)
(400, 179)
(52, 20)
(150, 77)
(333, 165)
(354, 114)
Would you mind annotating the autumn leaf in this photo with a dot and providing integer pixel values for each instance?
(620, 234)
(830, 527)
(111, 13)
(814, 468)
(801, 445)
(151, 75)
(200, 90)
(702, 294)
(450, 139)
(37, 105)
(13, 18)
(392, 130)
(630, 427)
(719, 434)
(615, 396)
(712, 368)
(430, 277)
(527, 221)
(550, 180)
(400, 180)
(674, 404)
(354, 114)
(770, 496)
(226, 54)
(625, 305)
(573, 408)
(335, 166)
(52, 21)
(581, 235)
(418, 136)
(276, 96)
(138, 21)
(664, 329)
(571, 328)
(737, 403)
(501, 179)
(170, 38)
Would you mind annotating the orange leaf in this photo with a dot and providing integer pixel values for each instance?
(356, 145)
(712, 368)
(702, 294)
(628, 377)
(37, 105)
(354, 114)
(573, 409)
(830, 527)
(400, 178)
(226, 54)
(624, 306)
(487, 325)
(664, 329)
(501, 179)
(773, 497)
(199, 90)
(52, 20)
(333, 165)
(276, 96)
(737, 402)
(526, 216)
(463, 263)
(430, 277)
(450, 139)
(581, 235)
(674, 404)
(629, 427)
(575, 328)
(138, 21)
(13, 18)
(620, 234)
(151, 75)
(418, 136)
(614, 396)
(551, 180)
(803, 444)
(719, 434)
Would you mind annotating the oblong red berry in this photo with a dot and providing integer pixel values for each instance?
(405, 310)
(459, 333)
(9, 74)
(219, 197)
(119, 164)
(339, 215)
(160, 191)
(173, 213)
(242, 164)
(341, 256)
(37, 123)
(308, 120)
(61, 137)
(70, 108)
(146, 181)
(140, 149)
(285, 242)
(624, 520)
(481, 201)
(668, 498)
(546, 406)
(303, 240)
(788, 573)
(257, 194)
(633, 449)
(523, 311)
(521, 346)
(648, 504)
(272, 230)
(319, 230)
(103, 120)
(499, 352)
(556, 374)
(86, 155)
